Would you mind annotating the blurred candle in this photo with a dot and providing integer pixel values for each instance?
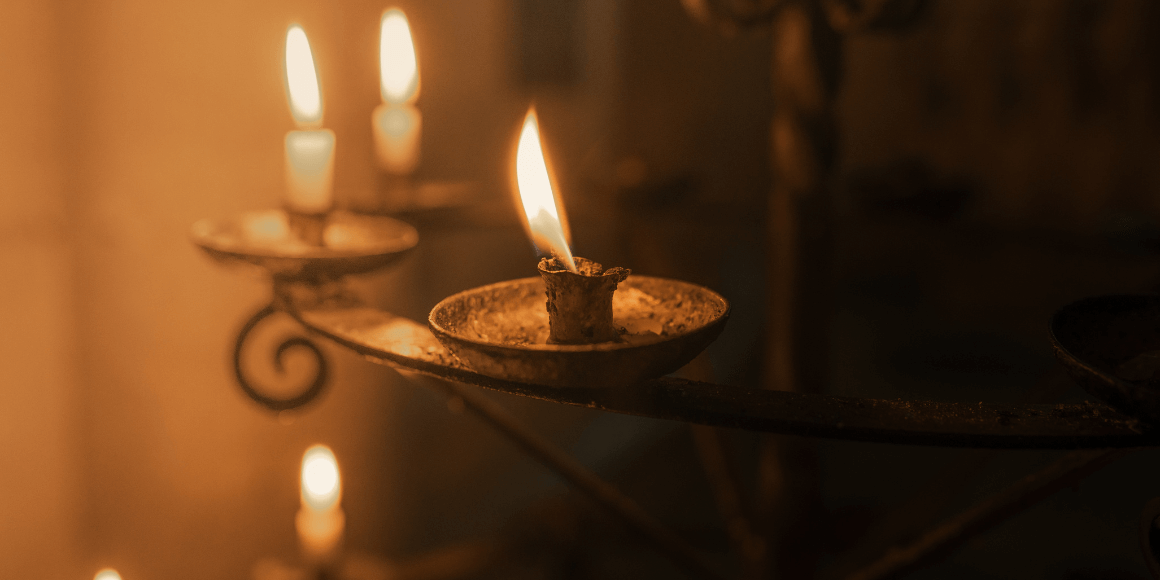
(107, 574)
(396, 123)
(309, 150)
(320, 521)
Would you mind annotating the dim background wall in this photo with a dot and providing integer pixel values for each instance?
(126, 443)
(39, 480)
(1048, 108)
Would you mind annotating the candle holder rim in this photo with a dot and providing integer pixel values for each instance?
(384, 240)
(597, 365)
(408, 237)
(439, 329)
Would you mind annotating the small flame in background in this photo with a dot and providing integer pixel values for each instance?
(545, 225)
(107, 574)
(398, 67)
(302, 80)
(321, 483)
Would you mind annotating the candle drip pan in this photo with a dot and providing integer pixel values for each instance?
(501, 331)
(351, 243)
(1111, 346)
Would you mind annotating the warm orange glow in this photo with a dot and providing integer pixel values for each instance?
(107, 574)
(321, 483)
(302, 80)
(537, 195)
(398, 67)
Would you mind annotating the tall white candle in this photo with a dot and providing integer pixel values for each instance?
(320, 520)
(397, 124)
(310, 149)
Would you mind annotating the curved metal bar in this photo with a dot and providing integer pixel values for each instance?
(274, 403)
(389, 339)
(1150, 536)
(941, 540)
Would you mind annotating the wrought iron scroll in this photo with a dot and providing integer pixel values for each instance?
(317, 383)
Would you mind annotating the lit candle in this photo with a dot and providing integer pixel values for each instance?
(320, 520)
(546, 225)
(396, 123)
(579, 291)
(107, 574)
(310, 149)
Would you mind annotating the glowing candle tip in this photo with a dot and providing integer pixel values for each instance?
(537, 194)
(321, 483)
(398, 66)
(302, 79)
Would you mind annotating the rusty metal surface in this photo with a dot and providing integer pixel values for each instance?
(390, 339)
(501, 330)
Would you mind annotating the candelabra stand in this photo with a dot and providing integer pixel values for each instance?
(1093, 338)
(266, 240)
(308, 285)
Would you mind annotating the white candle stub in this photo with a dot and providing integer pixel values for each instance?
(107, 574)
(310, 171)
(310, 150)
(320, 521)
(397, 130)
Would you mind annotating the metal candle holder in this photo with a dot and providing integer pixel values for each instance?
(452, 347)
(496, 337)
(501, 331)
(349, 244)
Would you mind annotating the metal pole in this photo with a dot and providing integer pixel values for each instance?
(944, 538)
(552, 457)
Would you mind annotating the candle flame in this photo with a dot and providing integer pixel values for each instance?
(545, 226)
(398, 68)
(321, 482)
(107, 574)
(302, 80)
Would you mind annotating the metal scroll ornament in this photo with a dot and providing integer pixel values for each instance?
(312, 390)
(266, 241)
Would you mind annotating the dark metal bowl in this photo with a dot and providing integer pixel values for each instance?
(352, 243)
(501, 331)
(1095, 337)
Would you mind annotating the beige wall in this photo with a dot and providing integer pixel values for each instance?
(38, 480)
(1050, 107)
(179, 115)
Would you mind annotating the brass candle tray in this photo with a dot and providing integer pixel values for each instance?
(352, 243)
(501, 331)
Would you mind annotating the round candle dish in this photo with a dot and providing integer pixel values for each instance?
(501, 331)
(1110, 345)
(351, 243)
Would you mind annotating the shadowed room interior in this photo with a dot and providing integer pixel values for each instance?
(894, 197)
